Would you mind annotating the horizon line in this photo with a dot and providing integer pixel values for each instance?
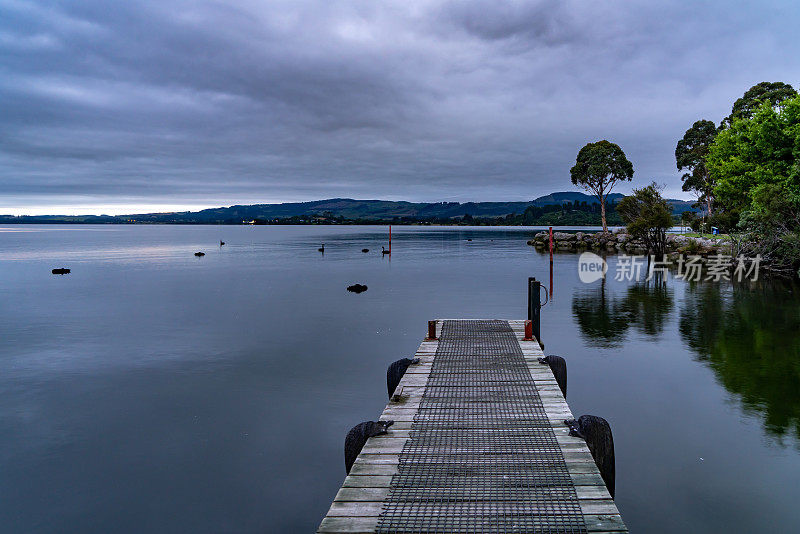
(130, 209)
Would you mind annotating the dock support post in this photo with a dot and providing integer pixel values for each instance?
(431, 331)
(534, 307)
(528, 331)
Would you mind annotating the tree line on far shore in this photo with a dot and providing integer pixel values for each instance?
(579, 213)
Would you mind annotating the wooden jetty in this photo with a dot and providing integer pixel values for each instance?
(478, 444)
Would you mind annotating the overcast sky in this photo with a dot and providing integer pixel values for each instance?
(125, 106)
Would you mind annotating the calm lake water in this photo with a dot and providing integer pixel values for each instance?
(153, 391)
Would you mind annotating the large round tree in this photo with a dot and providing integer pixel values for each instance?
(598, 167)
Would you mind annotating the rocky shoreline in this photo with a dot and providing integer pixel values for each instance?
(623, 243)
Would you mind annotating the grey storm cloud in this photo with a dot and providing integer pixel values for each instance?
(213, 103)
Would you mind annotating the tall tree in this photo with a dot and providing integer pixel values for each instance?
(597, 168)
(690, 154)
(772, 92)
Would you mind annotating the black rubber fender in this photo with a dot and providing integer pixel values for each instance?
(597, 433)
(395, 373)
(559, 367)
(358, 436)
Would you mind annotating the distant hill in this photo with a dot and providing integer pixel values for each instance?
(346, 208)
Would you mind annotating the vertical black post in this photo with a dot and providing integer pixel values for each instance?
(534, 307)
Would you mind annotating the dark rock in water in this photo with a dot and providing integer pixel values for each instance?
(221, 243)
(358, 436)
(357, 288)
(62, 270)
(199, 254)
(469, 239)
(365, 250)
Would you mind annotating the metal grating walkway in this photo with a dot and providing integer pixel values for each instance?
(481, 456)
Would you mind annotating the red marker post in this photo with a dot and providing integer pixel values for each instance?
(551, 262)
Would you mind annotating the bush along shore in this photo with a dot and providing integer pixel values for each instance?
(621, 242)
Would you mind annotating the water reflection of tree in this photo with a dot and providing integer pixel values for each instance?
(750, 337)
(604, 319)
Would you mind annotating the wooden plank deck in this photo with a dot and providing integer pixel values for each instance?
(359, 502)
